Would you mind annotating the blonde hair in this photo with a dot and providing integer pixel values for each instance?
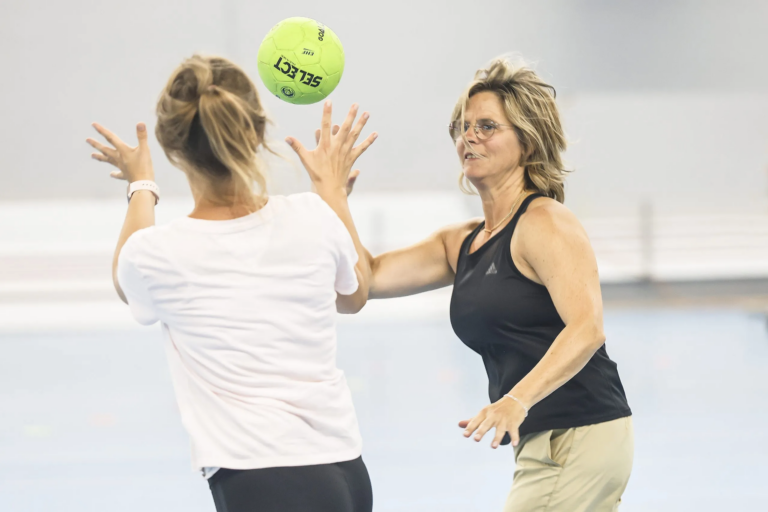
(210, 122)
(529, 104)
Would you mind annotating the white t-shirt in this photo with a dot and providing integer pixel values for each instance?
(249, 316)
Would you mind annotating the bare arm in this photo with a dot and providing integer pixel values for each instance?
(133, 164)
(355, 302)
(140, 215)
(328, 166)
(557, 248)
(427, 265)
(553, 245)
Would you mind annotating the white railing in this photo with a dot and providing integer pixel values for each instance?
(68, 244)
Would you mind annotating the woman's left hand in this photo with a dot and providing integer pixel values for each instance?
(133, 163)
(352, 175)
(506, 415)
(330, 163)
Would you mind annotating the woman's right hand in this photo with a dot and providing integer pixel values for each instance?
(330, 163)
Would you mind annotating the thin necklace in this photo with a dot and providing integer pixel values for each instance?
(519, 196)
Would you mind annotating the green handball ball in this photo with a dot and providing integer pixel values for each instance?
(301, 61)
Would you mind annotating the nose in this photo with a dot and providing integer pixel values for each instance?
(461, 146)
(470, 134)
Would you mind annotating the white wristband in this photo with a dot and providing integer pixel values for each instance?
(518, 401)
(144, 185)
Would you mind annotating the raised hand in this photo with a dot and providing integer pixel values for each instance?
(133, 163)
(352, 175)
(330, 163)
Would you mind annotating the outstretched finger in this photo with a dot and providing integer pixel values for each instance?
(484, 427)
(464, 423)
(515, 435)
(298, 148)
(360, 148)
(325, 124)
(346, 126)
(355, 133)
(110, 152)
(141, 134)
(111, 137)
(334, 131)
(473, 424)
(100, 157)
(498, 437)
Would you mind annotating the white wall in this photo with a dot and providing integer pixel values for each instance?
(696, 153)
(700, 64)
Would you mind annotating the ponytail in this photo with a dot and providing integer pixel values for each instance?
(210, 122)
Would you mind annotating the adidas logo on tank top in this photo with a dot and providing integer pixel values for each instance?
(491, 269)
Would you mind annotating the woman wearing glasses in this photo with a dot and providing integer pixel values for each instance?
(526, 297)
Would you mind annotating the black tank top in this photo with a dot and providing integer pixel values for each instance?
(511, 322)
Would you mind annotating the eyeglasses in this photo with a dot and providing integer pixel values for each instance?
(484, 129)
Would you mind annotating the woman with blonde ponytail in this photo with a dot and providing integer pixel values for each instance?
(247, 288)
(526, 298)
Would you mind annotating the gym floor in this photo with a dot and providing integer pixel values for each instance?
(89, 419)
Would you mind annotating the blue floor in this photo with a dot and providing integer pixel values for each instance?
(88, 422)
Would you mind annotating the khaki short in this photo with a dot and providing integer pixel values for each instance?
(582, 469)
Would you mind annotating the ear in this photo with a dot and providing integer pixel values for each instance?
(525, 147)
(527, 150)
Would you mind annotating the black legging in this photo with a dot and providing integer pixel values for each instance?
(337, 487)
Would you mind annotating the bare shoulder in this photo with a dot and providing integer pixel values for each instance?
(549, 237)
(453, 235)
(546, 217)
